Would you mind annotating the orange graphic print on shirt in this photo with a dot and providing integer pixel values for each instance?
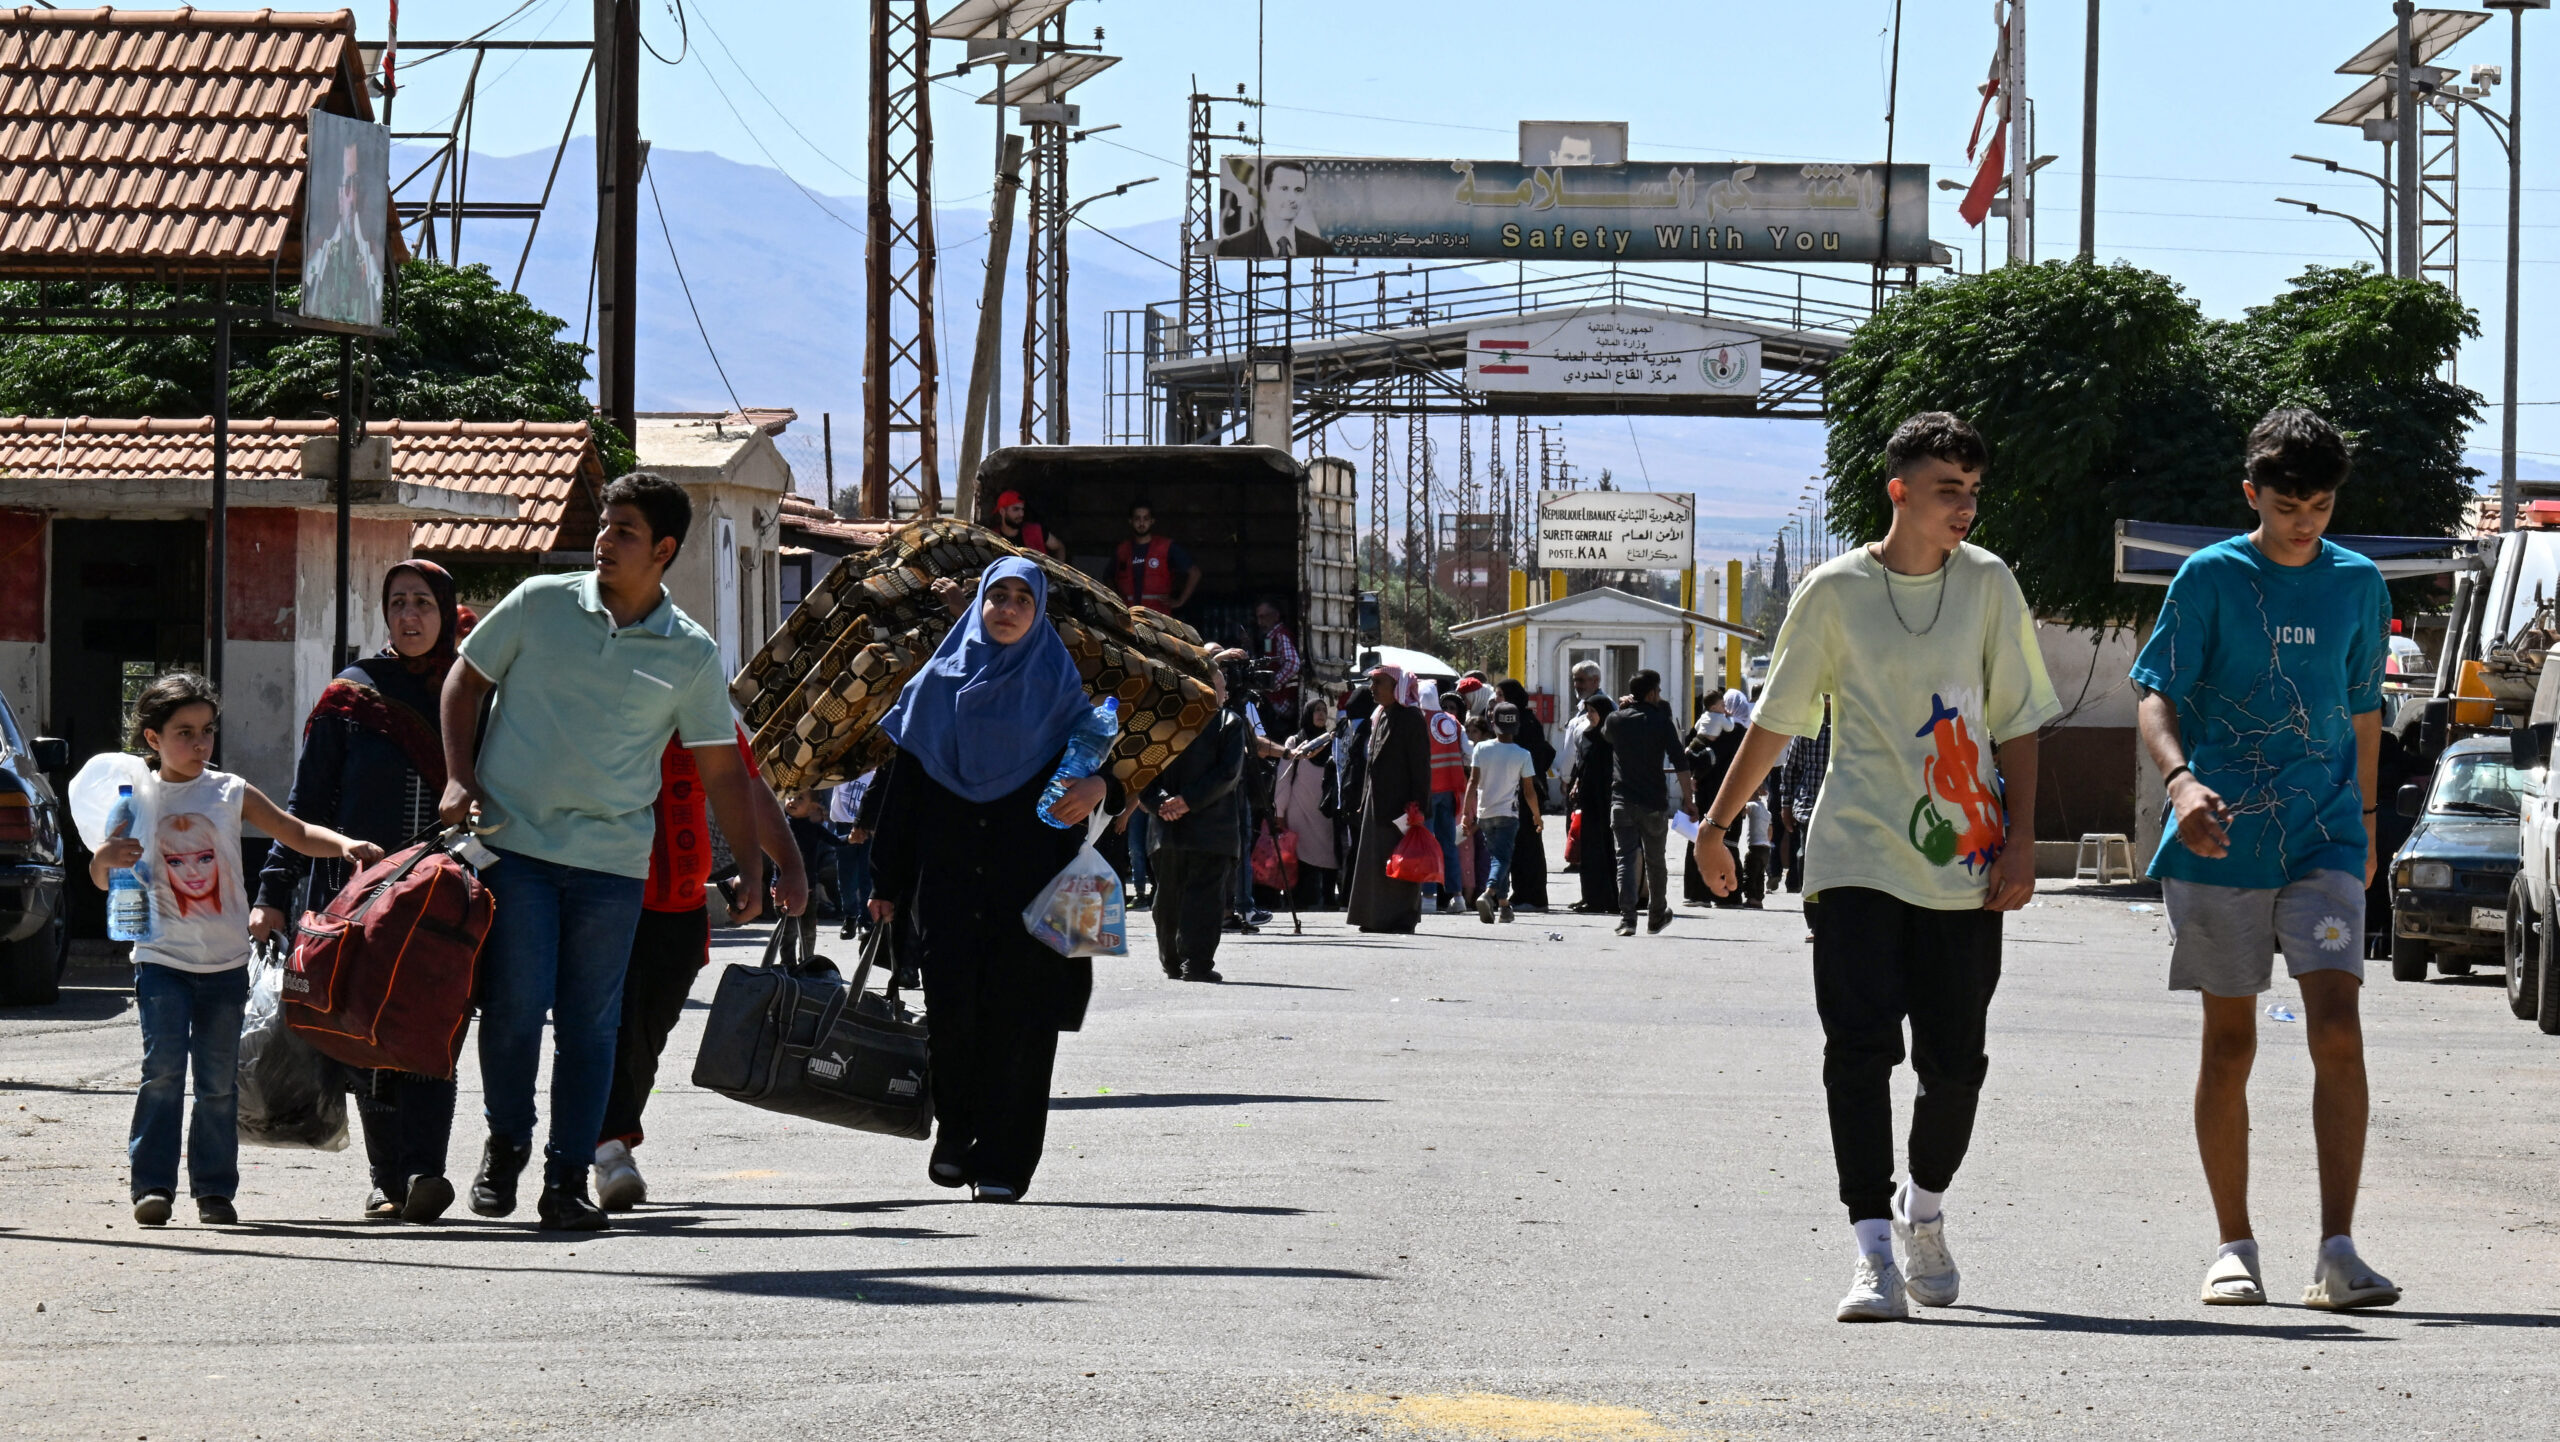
(1953, 773)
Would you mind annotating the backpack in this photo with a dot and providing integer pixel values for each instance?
(383, 977)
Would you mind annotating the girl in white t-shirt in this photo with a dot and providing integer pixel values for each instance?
(190, 976)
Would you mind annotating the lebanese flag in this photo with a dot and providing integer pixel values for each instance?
(1986, 180)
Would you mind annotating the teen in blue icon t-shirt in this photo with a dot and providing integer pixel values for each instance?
(2268, 666)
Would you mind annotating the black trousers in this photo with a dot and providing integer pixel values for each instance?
(667, 952)
(991, 1069)
(1193, 895)
(1876, 960)
(407, 1121)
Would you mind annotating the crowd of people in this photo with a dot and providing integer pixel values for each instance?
(1887, 771)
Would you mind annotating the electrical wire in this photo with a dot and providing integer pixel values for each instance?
(410, 62)
(704, 331)
(686, 31)
(778, 114)
(1124, 245)
(779, 167)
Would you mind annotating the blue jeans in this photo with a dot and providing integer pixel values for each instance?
(1140, 874)
(1494, 836)
(188, 1018)
(853, 878)
(560, 946)
(1443, 812)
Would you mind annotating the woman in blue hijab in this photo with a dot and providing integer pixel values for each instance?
(961, 850)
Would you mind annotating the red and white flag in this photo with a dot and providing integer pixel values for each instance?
(1995, 91)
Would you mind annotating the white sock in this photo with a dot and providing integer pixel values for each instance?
(1875, 1238)
(2340, 1245)
(1919, 1204)
(2246, 1247)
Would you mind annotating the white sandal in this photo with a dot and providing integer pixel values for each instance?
(2234, 1282)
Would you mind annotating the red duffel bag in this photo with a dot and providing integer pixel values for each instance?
(1417, 856)
(383, 977)
(1275, 859)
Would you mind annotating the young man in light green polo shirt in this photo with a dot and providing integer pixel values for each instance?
(592, 672)
(1919, 842)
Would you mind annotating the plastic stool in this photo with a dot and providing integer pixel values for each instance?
(2089, 863)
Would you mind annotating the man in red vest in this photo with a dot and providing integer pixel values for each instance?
(1145, 568)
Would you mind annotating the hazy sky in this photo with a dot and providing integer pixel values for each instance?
(2201, 103)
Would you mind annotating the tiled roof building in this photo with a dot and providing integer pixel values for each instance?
(163, 143)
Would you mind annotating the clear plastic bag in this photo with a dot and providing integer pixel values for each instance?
(1080, 913)
(290, 1095)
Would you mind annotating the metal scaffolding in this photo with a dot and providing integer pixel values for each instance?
(900, 454)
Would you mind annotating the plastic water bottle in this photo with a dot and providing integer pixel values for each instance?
(128, 900)
(1085, 750)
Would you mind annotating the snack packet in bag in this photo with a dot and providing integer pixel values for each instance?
(1080, 912)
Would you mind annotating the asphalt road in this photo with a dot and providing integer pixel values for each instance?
(1480, 1183)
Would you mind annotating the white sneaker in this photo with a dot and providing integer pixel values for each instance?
(1875, 1292)
(1930, 1269)
(2341, 1282)
(619, 1187)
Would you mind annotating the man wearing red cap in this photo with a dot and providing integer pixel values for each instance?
(1031, 535)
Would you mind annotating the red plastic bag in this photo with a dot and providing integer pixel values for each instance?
(1275, 859)
(1417, 856)
(1573, 839)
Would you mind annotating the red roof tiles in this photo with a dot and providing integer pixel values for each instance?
(158, 141)
(550, 468)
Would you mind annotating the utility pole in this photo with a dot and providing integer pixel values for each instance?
(2089, 141)
(900, 372)
(2404, 116)
(2515, 233)
(977, 417)
(617, 211)
(2021, 145)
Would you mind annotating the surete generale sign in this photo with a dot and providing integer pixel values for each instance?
(1614, 351)
(1615, 530)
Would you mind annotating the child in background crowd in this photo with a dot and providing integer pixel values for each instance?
(190, 977)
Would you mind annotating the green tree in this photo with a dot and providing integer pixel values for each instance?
(2104, 394)
(466, 349)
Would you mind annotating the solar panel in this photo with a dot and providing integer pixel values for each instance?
(2431, 33)
(1051, 79)
(994, 19)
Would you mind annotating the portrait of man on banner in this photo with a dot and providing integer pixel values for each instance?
(344, 218)
(1269, 216)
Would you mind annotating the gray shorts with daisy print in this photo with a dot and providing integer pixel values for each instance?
(2223, 939)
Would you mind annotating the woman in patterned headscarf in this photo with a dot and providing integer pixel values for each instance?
(1399, 776)
(372, 767)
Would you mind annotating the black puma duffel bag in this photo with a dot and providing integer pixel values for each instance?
(791, 1035)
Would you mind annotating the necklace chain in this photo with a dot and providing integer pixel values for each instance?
(1934, 612)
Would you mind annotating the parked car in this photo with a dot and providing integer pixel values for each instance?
(2533, 929)
(2450, 882)
(35, 937)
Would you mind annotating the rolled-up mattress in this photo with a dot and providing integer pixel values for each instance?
(813, 697)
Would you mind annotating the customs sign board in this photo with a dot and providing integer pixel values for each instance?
(1613, 351)
(1286, 205)
(1615, 530)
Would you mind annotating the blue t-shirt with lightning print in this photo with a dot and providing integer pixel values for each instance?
(2268, 666)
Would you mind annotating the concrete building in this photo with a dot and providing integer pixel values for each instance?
(1619, 632)
(103, 557)
(729, 577)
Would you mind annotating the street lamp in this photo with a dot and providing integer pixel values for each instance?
(2335, 168)
(2372, 234)
(1121, 189)
(2514, 140)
